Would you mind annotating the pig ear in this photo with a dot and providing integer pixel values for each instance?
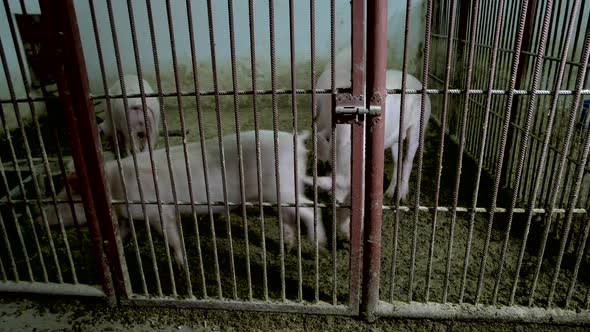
(73, 181)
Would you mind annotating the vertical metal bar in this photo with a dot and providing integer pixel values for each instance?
(545, 148)
(25, 139)
(9, 248)
(333, 142)
(314, 128)
(563, 158)
(569, 215)
(295, 147)
(563, 103)
(81, 245)
(464, 120)
(443, 121)
(60, 20)
(43, 155)
(400, 147)
(221, 150)
(187, 164)
(398, 162)
(116, 144)
(4, 277)
(150, 148)
(504, 133)
(195, 77)
(376, 64)
(275, 127)
(484, 134)
(541, 120)
(257, 134)
(133, 154)
(579, 256)
(12, 205)
(537, 71)
(357, 152)
(239, 145)
(521, 74)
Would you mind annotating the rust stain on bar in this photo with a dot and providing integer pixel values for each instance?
(376, 66)
(358, 84)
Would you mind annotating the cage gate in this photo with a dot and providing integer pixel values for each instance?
(133, 202)
(192, 182)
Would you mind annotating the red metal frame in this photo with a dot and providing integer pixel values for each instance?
(376, 67)
(59, 19)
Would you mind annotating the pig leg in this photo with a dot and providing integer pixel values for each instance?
(412, 141)
(323, 182)
(172, 233)
(391, 189)
(306, 215)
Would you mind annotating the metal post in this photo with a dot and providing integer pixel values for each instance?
(356, 202)
(70, 71)
(376, 65)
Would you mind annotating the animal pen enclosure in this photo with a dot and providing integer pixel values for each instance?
(495, 224)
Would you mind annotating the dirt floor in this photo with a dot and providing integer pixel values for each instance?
(68, 314)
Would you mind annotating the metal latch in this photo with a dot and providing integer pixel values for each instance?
(346, 110)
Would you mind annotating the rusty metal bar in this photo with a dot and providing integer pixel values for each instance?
(333, 150)
(239, 144)
(275, 128)
(357, 152)
(44, 158)
(195, 78)
(133, 154)
(150, 148)
(443, 124)
(423, 123)
(521, 74)
(221, 151)
(314, 133)
(258, 153)
(376, 65)
(26, 201)
(503, 142)
(297, 190)
(580, 79)
(579, 256)
(116, 143)
(464, 120)
(537, 70)
(184, 151)
(60, 20)
(27, 149)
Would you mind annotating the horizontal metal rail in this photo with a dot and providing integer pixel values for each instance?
(252, 305)
(51, 288)
(319, 205)
(450, 311)
(318, 91)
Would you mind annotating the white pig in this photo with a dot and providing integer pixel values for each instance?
(215, 184)
(136, 117)
(410, 131)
